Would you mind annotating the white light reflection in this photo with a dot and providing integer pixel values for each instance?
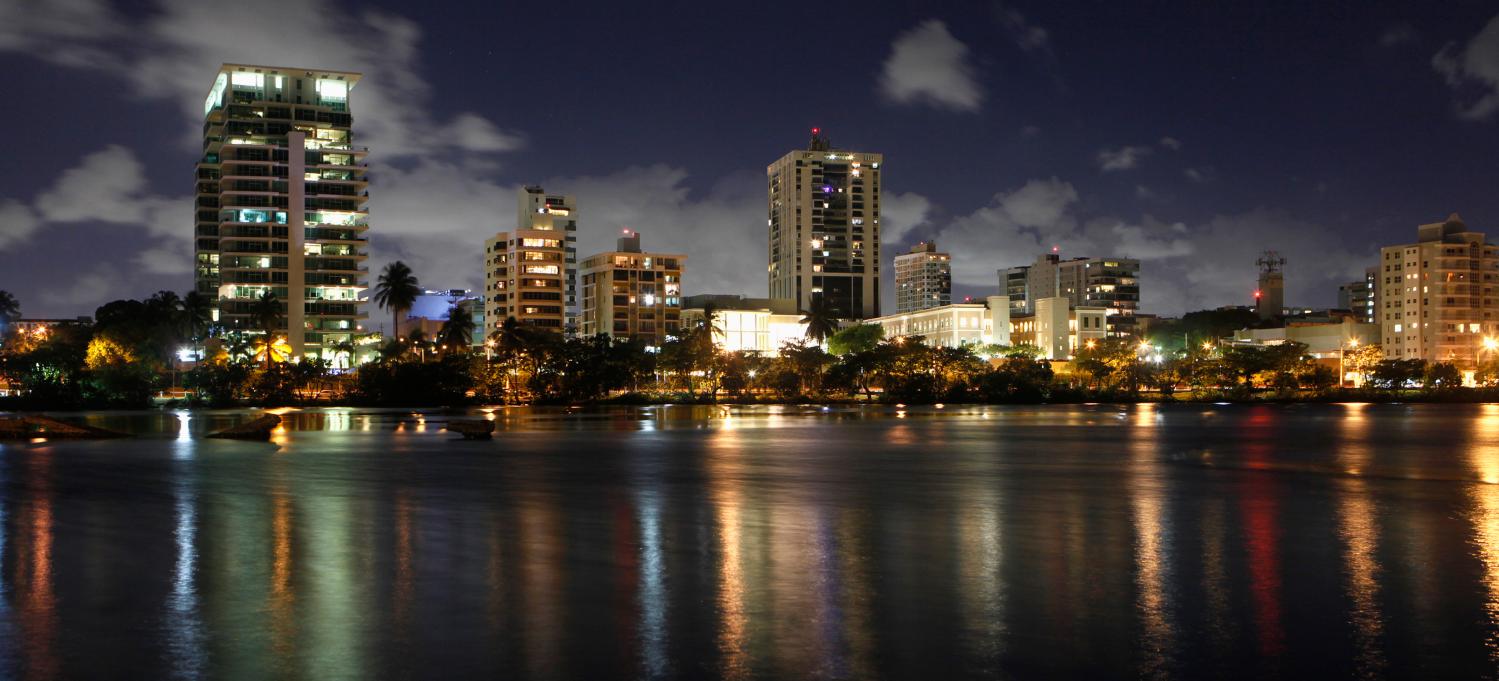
(184, 625)
(652, 584)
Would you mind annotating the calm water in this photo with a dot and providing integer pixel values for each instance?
(1085, 541)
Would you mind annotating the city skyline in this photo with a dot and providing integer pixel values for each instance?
(992, 118)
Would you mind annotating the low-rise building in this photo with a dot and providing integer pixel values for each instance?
(1057, 327)
(760, 325)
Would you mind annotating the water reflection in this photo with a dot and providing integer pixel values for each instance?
(1359, 530)
(183, 619)
(1483, 455)
(1153, 543)
(1090, 541)
(35, 602)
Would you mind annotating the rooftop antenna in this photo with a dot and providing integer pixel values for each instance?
(1270, 262)
(819, 141)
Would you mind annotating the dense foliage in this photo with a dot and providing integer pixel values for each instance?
(129, 354)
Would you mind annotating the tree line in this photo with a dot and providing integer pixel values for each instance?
(127, 355)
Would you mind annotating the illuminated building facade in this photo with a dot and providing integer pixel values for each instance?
(631, 294)
(823, 216)
(1109, 283)
(1358, 296)
(530, 273)
(923, 278)
(280, 207)
(1437, 297)
(759, 325)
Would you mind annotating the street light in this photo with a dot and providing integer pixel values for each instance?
(1342, 352)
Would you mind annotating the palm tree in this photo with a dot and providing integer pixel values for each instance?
(396, 291)
(197, 316)
(821, 319)
(343, 348)
(237, 346)
(266, 313)
(10, 308)
(458, 330)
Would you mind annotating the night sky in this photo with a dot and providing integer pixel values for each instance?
(1190, 137)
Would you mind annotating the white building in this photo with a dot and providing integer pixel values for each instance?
(1057, 328)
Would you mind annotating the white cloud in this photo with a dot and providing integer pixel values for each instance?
(17, 222)
(901, 213)
(1200, 175)
(928, 65)
(87, 290)
(1171, 143)
(108, 185)
(1123, 158)
(1145, 193)
(1473, 72)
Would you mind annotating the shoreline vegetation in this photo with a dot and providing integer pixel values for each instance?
(128, 358)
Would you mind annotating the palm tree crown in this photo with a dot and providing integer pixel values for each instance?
(266, 313)
(396, 291)
(458, 330)
(821, 319)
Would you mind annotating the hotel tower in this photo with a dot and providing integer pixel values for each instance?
(824, 228)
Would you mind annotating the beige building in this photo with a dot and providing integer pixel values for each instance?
(824, 228)
(923, 278)
(628, 293)
(529, 273)
(280, 206)
(1323, 340)
(1436, 297)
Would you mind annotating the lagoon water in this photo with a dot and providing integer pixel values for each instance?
(1090, 541)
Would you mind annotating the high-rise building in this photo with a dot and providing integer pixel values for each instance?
(923, 278)
(1358, 296)
(1270, 293)
(628, 293)
(281, 195)
(824, 227)
(1109, 283)
(530, 273)
(1437, 297)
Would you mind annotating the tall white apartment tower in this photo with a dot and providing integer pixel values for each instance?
(823, 215)
(281, 195)
(923, 278)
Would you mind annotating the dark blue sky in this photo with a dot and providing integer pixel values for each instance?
(1322, 131)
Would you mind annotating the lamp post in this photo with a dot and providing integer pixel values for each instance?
(1342, 354)
(1489, 344)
